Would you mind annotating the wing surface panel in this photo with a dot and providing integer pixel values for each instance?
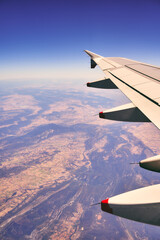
(121, 61)
(129, 76)
(150, 71)
(104, 64)
(149, 108)
(146, 86)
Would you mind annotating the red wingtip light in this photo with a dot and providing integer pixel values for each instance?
(101, 115)
(88, 84)
(105, 201)
(105, 206)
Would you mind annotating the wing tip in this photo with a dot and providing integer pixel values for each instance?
(91, 54)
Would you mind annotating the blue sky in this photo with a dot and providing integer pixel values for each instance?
(46, 39)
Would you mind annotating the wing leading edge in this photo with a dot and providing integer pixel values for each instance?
(140, 82)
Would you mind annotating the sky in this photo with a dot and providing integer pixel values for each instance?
(46, 38)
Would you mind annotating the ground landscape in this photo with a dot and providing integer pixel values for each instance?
(57, 159)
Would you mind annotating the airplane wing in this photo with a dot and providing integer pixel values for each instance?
(140, 82)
